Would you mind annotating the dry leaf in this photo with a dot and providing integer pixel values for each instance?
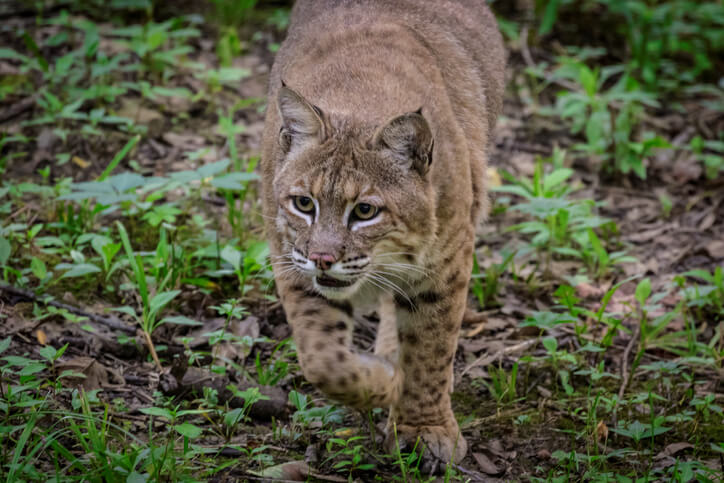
(294, 471)
(474, 331)
(290, 471)
(190, 142)
(485, 465)
(41, 336)
(586, 290)
(602, 431)
(715, 248)
(495, 446)
(96, 374)
(543, 454)
(228, 351)
(707, 222)
(673, 448)
(493, 177)
(80, 162)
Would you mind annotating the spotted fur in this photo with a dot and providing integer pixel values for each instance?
(385, 109)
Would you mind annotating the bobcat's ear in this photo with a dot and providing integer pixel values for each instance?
(409, 139)
(302, 122)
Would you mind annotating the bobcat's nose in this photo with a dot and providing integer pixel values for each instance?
(323, 261)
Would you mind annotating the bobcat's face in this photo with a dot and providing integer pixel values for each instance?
(352, 213)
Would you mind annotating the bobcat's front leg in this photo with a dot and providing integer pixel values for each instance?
(428, 325)
(322, 331)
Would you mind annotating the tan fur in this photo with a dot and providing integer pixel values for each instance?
(390, 104)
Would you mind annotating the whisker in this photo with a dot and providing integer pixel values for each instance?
(403, 268)
(390, 285)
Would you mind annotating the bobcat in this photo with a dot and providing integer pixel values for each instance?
(373, 163)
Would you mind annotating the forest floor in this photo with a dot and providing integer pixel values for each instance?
(129, 212)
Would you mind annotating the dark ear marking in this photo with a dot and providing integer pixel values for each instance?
(302, 122)
(409, 138)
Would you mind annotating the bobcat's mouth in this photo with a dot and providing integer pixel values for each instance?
(327, 281)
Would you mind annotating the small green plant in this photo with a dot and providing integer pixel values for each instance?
(710, 294)
(278, 367)
(348, 454)
(232, 14)
(234, 417)
(152, 305)
(485, 286)
(502, 386)
(609, 117)
(561, 226)
(710, 153)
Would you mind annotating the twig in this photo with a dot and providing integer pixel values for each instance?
(487, 359)
(625, 373)
(472, 474)
(493, 417)
(152, 349)
(110, 322)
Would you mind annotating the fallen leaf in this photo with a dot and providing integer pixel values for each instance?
(715, 248)
(474, 331)
(47, 140)
(294, 471)
(707, 222)
(495, 446)
(80, 162)
(189, 142)
(237, 351)
(476, 345)
(543, 454)
(485, 465)
(471, 317)
(291, 471)
(601, 431)
(134, 110)
(493, 177)
(673, 448)
(685, 171)
(94, 374)
(41, 336)
(586, 290)
(651, 234)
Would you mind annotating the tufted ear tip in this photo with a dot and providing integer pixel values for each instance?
(409, 138)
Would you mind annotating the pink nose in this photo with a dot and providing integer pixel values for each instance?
(323, 261)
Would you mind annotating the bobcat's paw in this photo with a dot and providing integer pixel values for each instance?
(445, 443)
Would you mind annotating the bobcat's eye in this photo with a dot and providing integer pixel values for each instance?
(304, 204)
(364, 211)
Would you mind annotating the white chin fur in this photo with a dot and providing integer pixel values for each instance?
(342, 293)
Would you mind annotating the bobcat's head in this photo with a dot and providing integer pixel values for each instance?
(355, 206)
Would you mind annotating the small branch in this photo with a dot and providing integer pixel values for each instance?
(152, 350)
(487, 359)
(110, 322)
(625, 373)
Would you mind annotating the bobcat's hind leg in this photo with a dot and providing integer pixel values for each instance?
(429, 324)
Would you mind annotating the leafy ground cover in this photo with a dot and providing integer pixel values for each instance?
(140, 338)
